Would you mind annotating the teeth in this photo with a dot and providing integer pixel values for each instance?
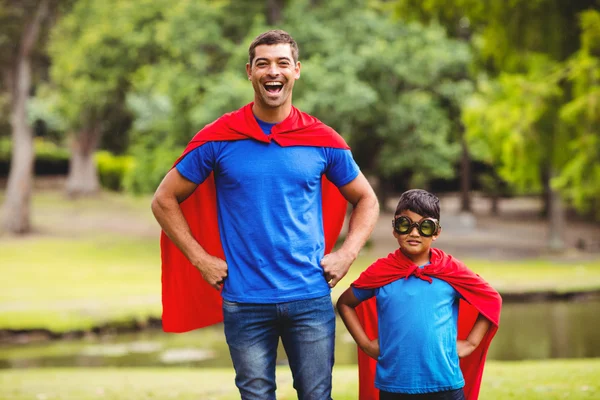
(273, 84)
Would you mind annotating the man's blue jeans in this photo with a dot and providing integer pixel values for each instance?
(307, 331)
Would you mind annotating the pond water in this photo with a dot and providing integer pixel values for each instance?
(527, 331)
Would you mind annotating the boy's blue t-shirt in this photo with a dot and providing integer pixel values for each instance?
(270, 213)
(417, 323)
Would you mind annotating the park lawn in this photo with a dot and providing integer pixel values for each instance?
(77, 283)
(522, 276)
(96, 260)
(539, 275)
(67, 283)
(525, 380)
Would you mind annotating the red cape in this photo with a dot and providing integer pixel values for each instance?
(479, 295)
(188, 301)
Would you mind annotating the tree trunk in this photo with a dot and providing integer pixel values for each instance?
(274, 8)
(547, 191)
(83, 176)
(465, 175)
(556, 220)
(463, 32)
(383, 190)
(20, 178)
(494, 204)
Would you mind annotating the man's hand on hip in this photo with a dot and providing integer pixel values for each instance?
(213, 270)
(336, 265)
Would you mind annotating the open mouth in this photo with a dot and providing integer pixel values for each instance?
(273, 87)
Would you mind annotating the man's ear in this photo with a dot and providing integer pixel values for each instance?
(248, 71)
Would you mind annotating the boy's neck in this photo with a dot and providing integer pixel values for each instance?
(420, 259)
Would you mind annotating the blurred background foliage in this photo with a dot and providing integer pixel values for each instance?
(501, 96)
(484, 98)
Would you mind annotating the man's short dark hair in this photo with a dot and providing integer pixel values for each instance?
(276, 36)
(421, 202)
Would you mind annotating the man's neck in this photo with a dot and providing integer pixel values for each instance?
(271, 115)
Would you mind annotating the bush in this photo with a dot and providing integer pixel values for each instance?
(5, 148)
(151, 166)
(50, 158)
(112, 169)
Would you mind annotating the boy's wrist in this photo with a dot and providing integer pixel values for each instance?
(364, 346)
(472, 343)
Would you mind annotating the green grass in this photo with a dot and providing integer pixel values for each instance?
(63, 284)
(539, 275)
(76, 283)
(548, 380)
(517, 276)
(96, 260)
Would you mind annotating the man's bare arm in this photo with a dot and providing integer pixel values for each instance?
(173, 190)
(362, 221)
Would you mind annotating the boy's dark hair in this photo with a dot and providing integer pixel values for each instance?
(421, 202)
(273, 37)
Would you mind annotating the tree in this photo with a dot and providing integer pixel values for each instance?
(452, 17)
(200, 77)
(94, 50)
(579, 180)
(22, 23)
(389, 87)
(506, 126)
(373, 82)
(148, 62)
(274, 8)
(521, 49)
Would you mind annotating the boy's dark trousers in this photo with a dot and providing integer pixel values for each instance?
(446, 395)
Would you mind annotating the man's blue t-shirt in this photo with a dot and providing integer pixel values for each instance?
(270, 214)
(417, 323)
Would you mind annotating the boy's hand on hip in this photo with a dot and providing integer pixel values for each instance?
(464, 348)
(372, 349)
(213, 270)
(335, 266)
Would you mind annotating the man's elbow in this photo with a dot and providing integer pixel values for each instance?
(159, 202)
(369, 201)
(374, 200)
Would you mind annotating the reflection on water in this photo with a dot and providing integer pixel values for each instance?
(527, 331)
(548, 330)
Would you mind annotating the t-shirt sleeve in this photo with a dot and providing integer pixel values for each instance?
(197, 165)
(341, 167)
(363, 294)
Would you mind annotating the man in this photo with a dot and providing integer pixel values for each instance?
(263, 241)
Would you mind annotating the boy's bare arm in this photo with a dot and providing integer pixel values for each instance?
(467, 346)
(345, 305)
(173, 190)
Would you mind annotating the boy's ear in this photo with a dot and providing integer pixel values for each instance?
(439, 231)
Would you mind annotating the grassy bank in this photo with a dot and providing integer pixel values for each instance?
(94, 261)
(548, 380)
(65, 283)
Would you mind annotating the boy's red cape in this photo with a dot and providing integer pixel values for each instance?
(479, 295)
(188, 301)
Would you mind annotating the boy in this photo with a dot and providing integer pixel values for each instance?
(414, 340)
